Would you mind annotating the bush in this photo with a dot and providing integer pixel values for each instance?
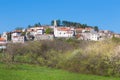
(99, 58)
(102, 60)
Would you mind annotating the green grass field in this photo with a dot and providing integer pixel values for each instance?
(32, 72)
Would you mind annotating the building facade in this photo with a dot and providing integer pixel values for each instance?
(64, 32)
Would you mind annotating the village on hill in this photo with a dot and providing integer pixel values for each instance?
(55, 31)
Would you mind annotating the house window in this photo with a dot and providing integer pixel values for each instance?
(32, 29)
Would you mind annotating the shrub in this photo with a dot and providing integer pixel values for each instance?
(100, 58)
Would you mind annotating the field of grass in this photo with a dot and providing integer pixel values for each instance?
(33, 72)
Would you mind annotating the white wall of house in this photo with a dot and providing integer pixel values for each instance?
(44, 37)
(4, 35)
(94, 37)
(90, 36)
(13, 35)
(17, 38)
(3, 42)
(35, 28)
(40, 31)
(117, 35)
(16, 34)
(86, 36)
(65, 34)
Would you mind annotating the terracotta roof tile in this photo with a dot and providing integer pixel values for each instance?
(63, 29)
(2, 39)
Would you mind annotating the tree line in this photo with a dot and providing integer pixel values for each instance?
(73, 24)
(64, 23)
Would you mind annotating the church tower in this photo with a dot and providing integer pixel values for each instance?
(55, 23)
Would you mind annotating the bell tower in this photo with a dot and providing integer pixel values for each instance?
(55, 23)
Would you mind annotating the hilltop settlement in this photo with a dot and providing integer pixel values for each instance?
(55, 31)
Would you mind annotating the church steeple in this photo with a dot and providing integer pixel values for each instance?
(55, 23)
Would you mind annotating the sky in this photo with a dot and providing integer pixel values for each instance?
(20, 13)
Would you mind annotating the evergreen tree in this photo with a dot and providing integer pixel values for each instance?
(96, 28)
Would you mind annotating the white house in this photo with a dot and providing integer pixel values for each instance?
(17, 38)
(32, 32)
(3, 43)
(86, 36)
(117, 35)
(4, 35)
(44, 37)
(14, 35)
(89, 29)
(64, 32)
(36, 30)
(94, 36)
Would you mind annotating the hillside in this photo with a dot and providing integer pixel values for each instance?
(82, 57)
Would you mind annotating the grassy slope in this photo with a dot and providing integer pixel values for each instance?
(30, 72)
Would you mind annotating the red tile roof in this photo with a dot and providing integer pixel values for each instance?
(17, 31)
(88, 29)
(2, 39)
(63, 29)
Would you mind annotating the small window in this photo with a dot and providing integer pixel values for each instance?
(32, 29)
